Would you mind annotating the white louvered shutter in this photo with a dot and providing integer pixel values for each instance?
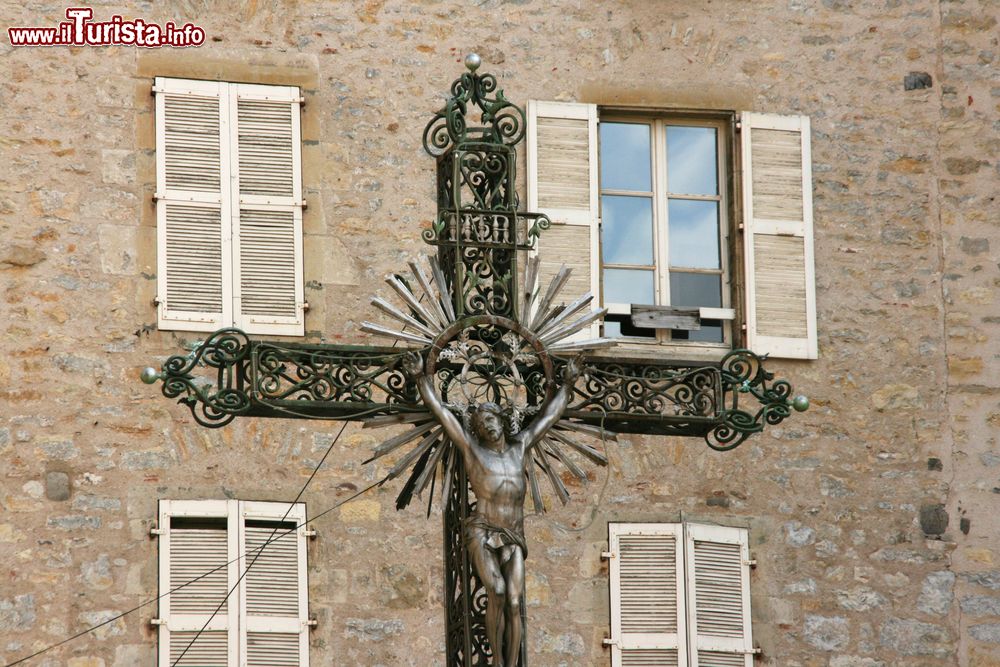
(192, 209)
(196, 549)
(778, 241)
(647, 595)
(267, 209)
(275, 631)
(562, 183)
(718, 590)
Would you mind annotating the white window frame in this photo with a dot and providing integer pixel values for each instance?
(230, 201)
(688, 640)
(236, 621)
(658, 122)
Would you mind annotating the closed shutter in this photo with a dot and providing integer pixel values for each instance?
(196, 549)
(274, 590)
(562, 183)
(267, 210)
(718, 589)
(192, 209)
(778, 242)
(647, 595)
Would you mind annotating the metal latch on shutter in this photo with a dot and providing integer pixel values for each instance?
(608, 641)
(310, 533)
(312, 622)
(154, 531)
(157, 621)
(608, 555)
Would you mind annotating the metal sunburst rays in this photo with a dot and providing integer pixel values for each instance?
(511, 374)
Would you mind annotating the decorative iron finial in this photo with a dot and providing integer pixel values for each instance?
(501, 121)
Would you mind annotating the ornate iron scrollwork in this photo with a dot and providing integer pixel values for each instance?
(213, 404)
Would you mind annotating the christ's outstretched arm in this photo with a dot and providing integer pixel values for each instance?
(414, 367)
(553, 410)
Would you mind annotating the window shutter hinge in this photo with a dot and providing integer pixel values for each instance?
(156, 197)
(309, 532)
(756, 650)
(305, 307)
(739, 125)
(608, 641)
(301, 101)
(156, 301)
(154, 531)
(157, 621)
(608, 555)
(312, 622)
(752, 562)
(743, 327)
(305, 204)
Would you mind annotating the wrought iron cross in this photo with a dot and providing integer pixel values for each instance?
(484, 335)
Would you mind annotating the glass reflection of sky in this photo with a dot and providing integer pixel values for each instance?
(691, 160)
(694, 235)
(628, 286)
(627, 230)
(625, 157)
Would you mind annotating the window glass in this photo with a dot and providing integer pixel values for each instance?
(628, 286)
(691, 160)
(694, 233)
(625, 157)
(627, 230)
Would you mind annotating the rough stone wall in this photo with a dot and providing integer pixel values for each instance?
(873, 516)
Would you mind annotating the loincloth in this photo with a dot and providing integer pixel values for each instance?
(505, 535)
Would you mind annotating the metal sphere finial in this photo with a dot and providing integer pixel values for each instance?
(149, 375)
(800, 403)
(473, 61)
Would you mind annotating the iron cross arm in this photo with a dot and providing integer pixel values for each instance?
(229, 375)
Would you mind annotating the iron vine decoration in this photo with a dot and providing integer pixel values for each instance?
(489, 343)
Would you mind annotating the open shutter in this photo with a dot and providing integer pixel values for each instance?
(647, 595)
(562, 183)
(274, 591)
(195, 547)
(718, 589)
(778, 220)
(267, 214)
(192, 211)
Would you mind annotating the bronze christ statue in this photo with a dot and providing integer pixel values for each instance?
(495, 463)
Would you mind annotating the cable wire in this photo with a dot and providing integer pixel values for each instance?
(198, 578)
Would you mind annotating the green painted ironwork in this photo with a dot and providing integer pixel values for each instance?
(478, 233)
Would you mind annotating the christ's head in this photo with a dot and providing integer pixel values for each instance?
(487, 423)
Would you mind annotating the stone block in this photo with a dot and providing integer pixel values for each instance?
(826, 633)
(57, 486)
(937, 593)
(911, 637)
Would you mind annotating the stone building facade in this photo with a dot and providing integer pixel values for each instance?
(871, 517)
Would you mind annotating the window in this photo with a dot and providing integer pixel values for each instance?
(663, 228)
(229, 207)
(264, 623)
(684, 249)
(680, 595)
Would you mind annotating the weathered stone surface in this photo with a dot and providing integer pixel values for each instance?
(860, 599)
(933, 519)
(18, 613)
(57, 486)
(917, 81)
(372, 630)
(855, 661)
(986, 632)
(406, 589)
(826, 633)
(980, 605)
(937, 593)
(20, 256)
(911, 637)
